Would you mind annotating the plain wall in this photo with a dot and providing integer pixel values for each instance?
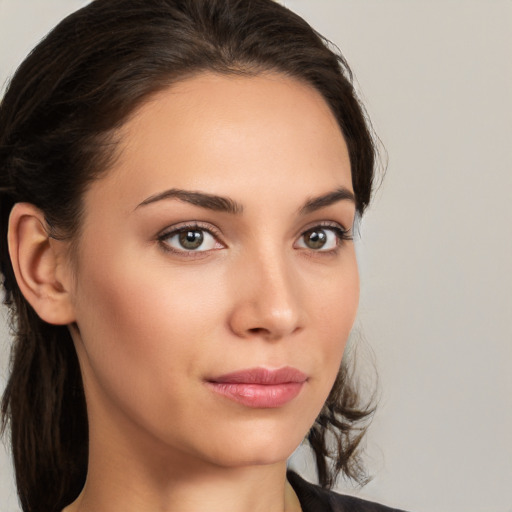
(436, 247)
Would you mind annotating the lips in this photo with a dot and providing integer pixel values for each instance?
(260, 387)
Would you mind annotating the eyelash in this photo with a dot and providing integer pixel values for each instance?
(182, 228)
(341, 234)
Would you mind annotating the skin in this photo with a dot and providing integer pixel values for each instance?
(152, 321)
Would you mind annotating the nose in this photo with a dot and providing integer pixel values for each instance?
(267, 301)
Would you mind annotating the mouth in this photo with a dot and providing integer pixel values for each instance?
(260, 388)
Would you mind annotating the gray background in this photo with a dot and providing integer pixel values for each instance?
(436, 247)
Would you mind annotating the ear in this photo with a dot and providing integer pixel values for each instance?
(40, 265)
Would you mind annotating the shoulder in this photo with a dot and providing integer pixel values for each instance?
(315, 499)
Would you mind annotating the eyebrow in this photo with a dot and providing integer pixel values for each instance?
(227, 205)
(208, 201)
(316, 203)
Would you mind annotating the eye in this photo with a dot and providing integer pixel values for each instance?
(322, 238)
(189, 239)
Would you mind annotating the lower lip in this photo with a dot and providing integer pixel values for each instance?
(262, 396)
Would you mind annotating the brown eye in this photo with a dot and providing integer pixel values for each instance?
(315, 238)
(322, 238)
(191, 240)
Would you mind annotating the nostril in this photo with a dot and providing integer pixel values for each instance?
(258, 330)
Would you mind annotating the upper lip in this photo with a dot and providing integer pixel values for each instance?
(262, 376)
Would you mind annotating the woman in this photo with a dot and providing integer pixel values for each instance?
(180, 181)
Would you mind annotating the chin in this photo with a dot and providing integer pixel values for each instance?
(245, 457)
(259, 445)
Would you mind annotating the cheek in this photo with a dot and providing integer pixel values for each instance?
(146, 316)
(335, 302)
(331, 309)
(336, 309)
(145, 336)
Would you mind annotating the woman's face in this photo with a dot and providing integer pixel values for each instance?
(218, 244)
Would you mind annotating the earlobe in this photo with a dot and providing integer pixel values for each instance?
(36, 259)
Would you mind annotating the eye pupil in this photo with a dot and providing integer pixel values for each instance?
(315, 238)
(191, 239)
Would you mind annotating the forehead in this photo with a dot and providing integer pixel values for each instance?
(217, 132)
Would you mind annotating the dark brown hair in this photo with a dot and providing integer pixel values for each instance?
(58, 121)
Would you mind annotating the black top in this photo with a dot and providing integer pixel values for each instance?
(315, 499)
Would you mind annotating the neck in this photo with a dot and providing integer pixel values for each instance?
(130, 472)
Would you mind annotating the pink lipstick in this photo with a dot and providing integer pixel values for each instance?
(260, 387)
